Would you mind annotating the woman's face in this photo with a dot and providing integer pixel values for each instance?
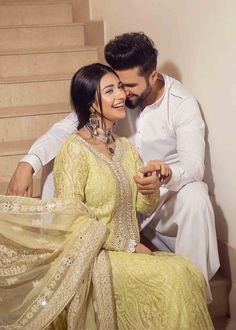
(112, 97)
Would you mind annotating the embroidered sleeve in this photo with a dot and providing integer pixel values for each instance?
(70, 171)
(146, 204)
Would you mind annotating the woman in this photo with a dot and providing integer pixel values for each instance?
(73, 265)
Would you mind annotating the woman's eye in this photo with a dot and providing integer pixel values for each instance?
(108, 91)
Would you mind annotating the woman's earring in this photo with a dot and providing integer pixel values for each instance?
(94, 123)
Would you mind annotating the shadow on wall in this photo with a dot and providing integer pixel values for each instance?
(209, 179)
(221, 223)
(172, 70)
(208, 176)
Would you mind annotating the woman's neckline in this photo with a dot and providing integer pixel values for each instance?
(117, 150)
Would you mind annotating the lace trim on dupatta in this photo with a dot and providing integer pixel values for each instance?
(103, 293)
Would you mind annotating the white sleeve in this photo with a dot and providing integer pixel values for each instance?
(48, 145)
(190, 133)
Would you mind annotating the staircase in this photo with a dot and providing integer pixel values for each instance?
(40, 49)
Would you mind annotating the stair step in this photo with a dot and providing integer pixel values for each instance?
(36, 186)
(15, 148)
(35, 78)
(46, 62)
(45, 50)
(10, 154)
(36, 110)
(8, 163)
(50, 35)
(27, 128)
(35, 91)
(35, 13)
(219, 287)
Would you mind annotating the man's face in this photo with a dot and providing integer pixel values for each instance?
(137, 88)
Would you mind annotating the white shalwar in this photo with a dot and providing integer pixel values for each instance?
(171, 130)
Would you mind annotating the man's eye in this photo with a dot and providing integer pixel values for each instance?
(129, 85)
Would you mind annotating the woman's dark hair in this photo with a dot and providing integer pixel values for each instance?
(85, 86)
(131, 50)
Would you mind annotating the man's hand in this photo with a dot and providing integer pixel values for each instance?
(21, 183)
(148, 181)
(140, 248)
(163, 171)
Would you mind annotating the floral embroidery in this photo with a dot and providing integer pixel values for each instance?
(29, 315)
(50, 206)
(54, 297)
(17, 229)
(12, 280)
(41, 301)
(42, 240)
(6, 207)
(67, 261)
(36, 222)
(35, 283)
(15, 260)
(14, 207)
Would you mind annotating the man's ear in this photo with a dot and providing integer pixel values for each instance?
(153, 77)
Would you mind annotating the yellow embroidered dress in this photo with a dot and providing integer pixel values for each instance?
(150, 292)
(64, 265)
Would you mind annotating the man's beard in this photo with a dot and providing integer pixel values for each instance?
(138, 100)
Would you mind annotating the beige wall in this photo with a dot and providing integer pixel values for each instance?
(197, 44)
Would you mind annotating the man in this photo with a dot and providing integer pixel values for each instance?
(165, 125)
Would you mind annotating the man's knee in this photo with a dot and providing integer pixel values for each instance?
(189, 205)
(194, 195)
(194, 200)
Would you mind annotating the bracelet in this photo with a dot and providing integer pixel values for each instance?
(131, 246)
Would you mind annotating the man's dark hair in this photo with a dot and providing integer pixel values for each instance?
(85, 86)
(131, 50)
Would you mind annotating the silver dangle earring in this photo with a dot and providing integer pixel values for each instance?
(94, 123)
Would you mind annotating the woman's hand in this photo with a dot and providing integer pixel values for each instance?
(140, 248)
(147, 181)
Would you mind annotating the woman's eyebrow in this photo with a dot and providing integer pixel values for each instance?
(112, 85)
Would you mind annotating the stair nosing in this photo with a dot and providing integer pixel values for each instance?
(42, 26)
(35, 3)
(24, 2)
(35, 78)
(21, 150)
(48, 50)
(37, 110)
